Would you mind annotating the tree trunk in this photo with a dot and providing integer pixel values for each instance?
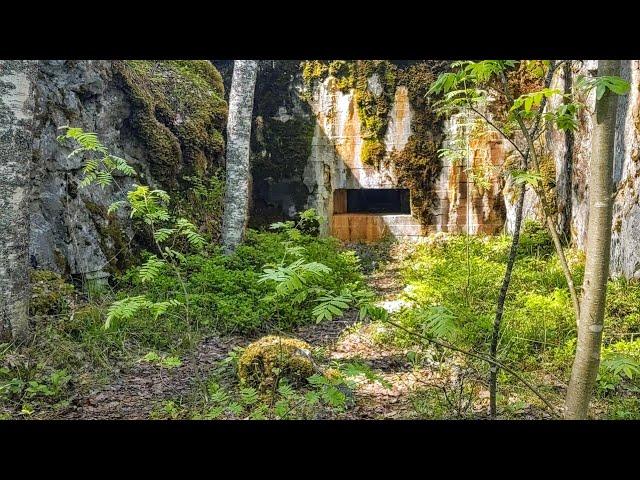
(236, 203)
(493, 352)
(15, 159)
(596, 274)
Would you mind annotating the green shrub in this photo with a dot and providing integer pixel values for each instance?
(622, 313)
(535, 239)
(464, 275)
(224, 292)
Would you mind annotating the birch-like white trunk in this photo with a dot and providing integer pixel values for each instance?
(15, 159)
(236, 203)
(596, 273)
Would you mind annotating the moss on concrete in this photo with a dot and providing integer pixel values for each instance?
(373, 109)
(281, 140)
(418, 165)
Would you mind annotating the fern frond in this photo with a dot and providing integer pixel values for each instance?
(125, 309)
(621, 365)
(188, 230)
(115, 206)
(160, 308)
(438, 321)
(162, 234)
(150, 269)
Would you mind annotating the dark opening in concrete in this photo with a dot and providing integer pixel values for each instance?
(370, 200)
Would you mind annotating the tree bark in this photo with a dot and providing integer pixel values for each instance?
(236, 204)
(596, 274)
(513, 253)
(15, 159)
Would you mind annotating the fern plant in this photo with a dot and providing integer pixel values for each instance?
(299, 281)
(622, 366)
(100, 169)
(151, 206)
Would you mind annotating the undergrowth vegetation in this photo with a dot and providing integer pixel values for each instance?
(452, 283)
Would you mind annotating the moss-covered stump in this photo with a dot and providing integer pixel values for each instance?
(272, 358)
(50, 294)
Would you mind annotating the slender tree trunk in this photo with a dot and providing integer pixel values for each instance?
(551, 224)
(596, 274)
(493, 352)
(15, 159)
(236, 204)
(506, 281)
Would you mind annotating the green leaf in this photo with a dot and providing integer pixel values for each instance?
(248, 396)
(150, 269)
(171, 362)
(528, 102)
(151, 357)
(115, 206)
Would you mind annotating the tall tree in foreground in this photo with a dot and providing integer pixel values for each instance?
(596, 274)
(15, 153)
(236, 202)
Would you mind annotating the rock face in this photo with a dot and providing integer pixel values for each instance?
(165, 118)
(625, 241)
(570, 153)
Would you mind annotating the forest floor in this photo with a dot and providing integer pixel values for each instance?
(135, 392)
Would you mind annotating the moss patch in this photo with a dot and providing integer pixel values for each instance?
(50, 294)
(373, 107)
(271, 358)
(418, 165)
(178, 112)
(281, 140)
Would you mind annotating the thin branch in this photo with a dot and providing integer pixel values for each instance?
(486, 119)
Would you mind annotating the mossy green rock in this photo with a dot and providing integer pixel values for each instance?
(271, 358)
(178, 112)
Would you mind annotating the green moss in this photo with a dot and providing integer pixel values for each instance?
(373, 151)
(373, 110)
(178, 113)
(50, 294)
(287, 147)
(418, 165)
(271, 358)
